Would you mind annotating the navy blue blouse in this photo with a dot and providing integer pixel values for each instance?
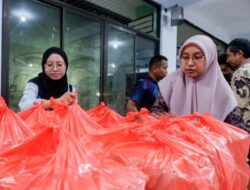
(144, 92)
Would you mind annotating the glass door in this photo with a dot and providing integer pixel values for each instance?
(33, 27)
(145, 50)
(82, 42)
(120, 67)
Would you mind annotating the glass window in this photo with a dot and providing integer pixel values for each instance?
(82, 41)
(33, 28)
(136, 14)
(145, 50)
(120, 67)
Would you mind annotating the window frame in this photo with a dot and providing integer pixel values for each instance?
(104, 39)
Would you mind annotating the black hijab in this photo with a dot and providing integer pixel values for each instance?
(47, 87)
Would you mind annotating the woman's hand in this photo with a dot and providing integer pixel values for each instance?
(68, 97)
(159, 115)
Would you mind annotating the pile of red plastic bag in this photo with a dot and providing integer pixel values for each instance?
(70, 149)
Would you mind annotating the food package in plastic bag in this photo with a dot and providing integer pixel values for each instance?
(236, 140)
(78, 122)
(231, 167)
(37, 118)
(190, 167)
(179, 153)
(142, 116)
(73, 168)
(13, 129)
(105, 116)
(160, 157)
(66, 164)
(134, 142)
(19, 163)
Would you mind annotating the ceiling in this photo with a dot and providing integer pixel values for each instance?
(225, 19)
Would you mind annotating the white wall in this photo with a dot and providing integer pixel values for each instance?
(1, 18)
(168, 41)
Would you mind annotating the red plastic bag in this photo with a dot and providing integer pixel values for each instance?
(142, 116)
(13, 129)
(19, 163)
(220, 141)
(105, 116)
(197, 155)
(62, 161)
(179, 153)
(159, 156)
(37, 118)
(73, 168)
(236, 140)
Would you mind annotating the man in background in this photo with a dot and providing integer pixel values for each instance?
(146, 89)
(238, 56)
(226, 68)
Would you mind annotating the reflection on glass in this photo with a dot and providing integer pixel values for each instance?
(145, 49)
(82, 44)
(137, 14)
(33, 28)
(120, 68)
(145, 20)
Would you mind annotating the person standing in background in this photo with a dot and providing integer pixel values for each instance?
(225, 67)
(238, 56)
(146, 89)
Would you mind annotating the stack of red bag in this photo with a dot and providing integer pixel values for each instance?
(59, 158)
(13, 129)
(102, 150)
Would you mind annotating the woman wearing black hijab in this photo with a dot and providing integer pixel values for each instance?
(51, 82)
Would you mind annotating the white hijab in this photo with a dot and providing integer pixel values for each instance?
(210, 93)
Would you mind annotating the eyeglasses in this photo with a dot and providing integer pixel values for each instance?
(195, 58)
(51, 66)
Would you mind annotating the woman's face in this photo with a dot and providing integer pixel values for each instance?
(192, 61)
(55, 67)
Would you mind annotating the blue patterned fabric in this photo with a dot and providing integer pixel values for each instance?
(144, 92)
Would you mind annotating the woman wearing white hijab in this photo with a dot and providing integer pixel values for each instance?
(199, 86)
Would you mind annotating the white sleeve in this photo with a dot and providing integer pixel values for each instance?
(29, 97)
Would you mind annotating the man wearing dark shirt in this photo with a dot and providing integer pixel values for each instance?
(145, 90)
